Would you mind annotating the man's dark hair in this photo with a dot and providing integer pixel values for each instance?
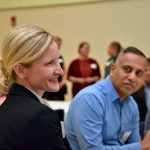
(134, 50)
(117, 46)
(148, 61)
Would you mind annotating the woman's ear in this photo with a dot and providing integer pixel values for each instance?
(20, 71)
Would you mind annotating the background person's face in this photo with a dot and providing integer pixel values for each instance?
(112, 52)
(147, 74)
(43, 74)
(128, 74)
(84, 51)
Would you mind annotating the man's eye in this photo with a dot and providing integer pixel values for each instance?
(127, 69)
(139, 73)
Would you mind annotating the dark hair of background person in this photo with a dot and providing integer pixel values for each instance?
(113, 50)
(117, 46)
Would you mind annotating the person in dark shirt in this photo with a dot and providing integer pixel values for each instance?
(140, 99)
(113, 50)
(147, 94)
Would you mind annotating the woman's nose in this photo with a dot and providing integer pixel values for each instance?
(60, 70)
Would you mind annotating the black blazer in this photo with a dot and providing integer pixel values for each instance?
(26, 124)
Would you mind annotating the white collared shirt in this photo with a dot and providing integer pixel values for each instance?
(42, 100)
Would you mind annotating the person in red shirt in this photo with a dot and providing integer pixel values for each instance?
(83, 71)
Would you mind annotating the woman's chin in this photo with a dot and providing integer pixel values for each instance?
(55, 89)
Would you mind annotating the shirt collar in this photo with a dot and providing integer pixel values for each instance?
(43, 101)
(111, 91)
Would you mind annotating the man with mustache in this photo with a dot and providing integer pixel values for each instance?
(104, 116)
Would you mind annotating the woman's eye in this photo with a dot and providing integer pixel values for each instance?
(49, 63)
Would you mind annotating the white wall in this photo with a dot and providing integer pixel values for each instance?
(99, 23)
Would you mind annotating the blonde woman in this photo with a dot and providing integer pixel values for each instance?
(30, 67)
(60, 95)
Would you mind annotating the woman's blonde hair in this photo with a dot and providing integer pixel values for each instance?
(22, 45)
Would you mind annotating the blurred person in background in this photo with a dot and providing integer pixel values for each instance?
(140, 98)
(60, 95)
(113, 50)
(84, 70)
(147, 95)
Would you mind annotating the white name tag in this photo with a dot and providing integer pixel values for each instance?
(126, 136)
(62, 129)
(108, 63)
(93, 66)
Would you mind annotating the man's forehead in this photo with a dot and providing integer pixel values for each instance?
(131, 57)
(133, 60)
(134, 66)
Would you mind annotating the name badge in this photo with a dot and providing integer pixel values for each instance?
(93, 66)
(108, 63)
(126, 136)
(62, 129)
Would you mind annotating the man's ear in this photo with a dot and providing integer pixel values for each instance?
(112, 68)
(19, 70)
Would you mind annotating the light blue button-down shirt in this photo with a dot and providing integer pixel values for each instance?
(98, 120)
